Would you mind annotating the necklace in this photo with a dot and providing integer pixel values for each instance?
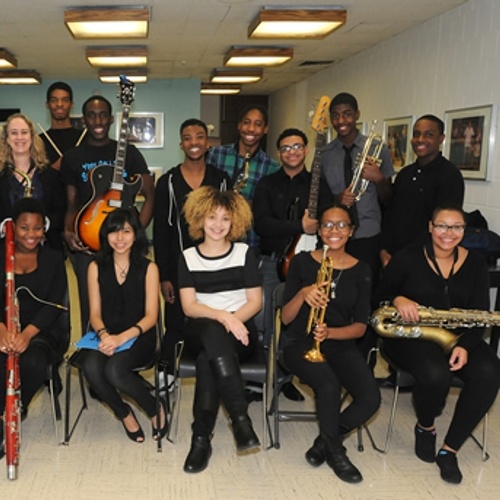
(123, 270)
(334, 284)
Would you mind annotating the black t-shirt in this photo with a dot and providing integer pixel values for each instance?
(64, 138)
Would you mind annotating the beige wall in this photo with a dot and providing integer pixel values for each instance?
(450, 62)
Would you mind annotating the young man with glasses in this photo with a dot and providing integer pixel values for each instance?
(281, 214)
(432, 181)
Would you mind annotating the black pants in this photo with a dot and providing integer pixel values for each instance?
(111, 375)
(33, 364)
(208, 340)
(429, 365)
(345, 367)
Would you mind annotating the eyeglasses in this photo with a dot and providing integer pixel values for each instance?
(341, 225)
(294, 147)
(442, 228)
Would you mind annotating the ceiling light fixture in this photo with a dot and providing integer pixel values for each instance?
(7, 60)
(296, 22)
(113, 75)
(218, 89)
(20, 77)
(239, 55)
(107, 22)
(225, 75)
(117, 57)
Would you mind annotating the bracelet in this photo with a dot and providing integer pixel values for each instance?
(101, 331)
(139, 327)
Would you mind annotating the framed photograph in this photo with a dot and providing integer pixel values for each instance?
(144, 130)
(470, 139)
(397, 136)
(77, 121)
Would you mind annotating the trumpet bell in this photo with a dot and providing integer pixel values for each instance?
(314, 355)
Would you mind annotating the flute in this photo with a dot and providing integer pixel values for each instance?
(12, 417)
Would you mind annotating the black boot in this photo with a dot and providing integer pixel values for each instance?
(231, 388)
(199, 454)
(316, 454)
(337, 460)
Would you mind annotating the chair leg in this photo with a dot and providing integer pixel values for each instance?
(174, 417)
(482, 444)
(53, 398)
(158, 405)
(67, 431)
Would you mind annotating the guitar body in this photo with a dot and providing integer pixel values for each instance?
(301, 243)
(104, 200)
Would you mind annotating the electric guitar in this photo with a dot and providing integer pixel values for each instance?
(307, 242)
(109, 189)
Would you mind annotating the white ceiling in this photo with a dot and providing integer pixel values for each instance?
(188, 38)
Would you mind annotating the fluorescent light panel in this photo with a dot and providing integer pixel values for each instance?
(117, 57)
(218, 89)
(225, 75)
(257, 56)
(20, 77)
(113, 75)
(7, 60)
(275, 23)
(107, 22)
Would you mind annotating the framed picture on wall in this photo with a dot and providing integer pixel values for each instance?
(77, 121)
(470, 139)
(145, 130)
(397, 136)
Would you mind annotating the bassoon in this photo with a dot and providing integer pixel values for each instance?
(12, 416)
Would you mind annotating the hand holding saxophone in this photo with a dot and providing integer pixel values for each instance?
(407, 308)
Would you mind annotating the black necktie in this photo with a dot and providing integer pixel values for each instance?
(348, 174)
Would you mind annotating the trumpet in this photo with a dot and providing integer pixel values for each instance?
(373, 141)
(317, 314)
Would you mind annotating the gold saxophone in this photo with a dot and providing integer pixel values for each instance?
(317, 314)
(241, 182)
(434, 324)
(358, 184)
(28, 188)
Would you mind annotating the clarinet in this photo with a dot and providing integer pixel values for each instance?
(12, 417)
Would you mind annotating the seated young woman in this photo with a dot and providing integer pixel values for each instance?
(441, 274)
(40, 281)
(347, 309)
(123, 288)
(219, 283)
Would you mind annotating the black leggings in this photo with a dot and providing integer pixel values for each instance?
(345, 367)
(33, 364)
(429, 365)
(110, 375)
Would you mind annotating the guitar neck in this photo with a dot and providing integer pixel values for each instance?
(312, 205)
(121, 150)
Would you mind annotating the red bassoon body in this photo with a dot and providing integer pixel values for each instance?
(12, 417)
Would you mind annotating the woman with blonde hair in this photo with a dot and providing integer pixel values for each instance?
(23, 163)
(220, 291)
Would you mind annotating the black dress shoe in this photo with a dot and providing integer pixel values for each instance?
(244, 435)
(338, 461)
(199, 454)
(316, 454)
(291, 392)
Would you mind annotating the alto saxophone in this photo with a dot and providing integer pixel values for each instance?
(358, 184)
(241, 182)
(434, 324)
(317, 314)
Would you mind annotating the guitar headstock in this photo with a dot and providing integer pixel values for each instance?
(126, 91)
(319, 121)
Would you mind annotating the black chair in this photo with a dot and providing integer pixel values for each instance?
(72, 361)
(253, 370)
(275, 359)
(403, 379)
